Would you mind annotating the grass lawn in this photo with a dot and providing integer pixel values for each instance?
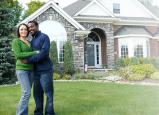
(91, 98)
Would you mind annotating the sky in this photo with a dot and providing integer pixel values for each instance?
(156, 2)
(62, 3)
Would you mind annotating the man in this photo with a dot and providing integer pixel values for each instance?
(43, 70)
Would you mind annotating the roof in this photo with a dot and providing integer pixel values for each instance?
(57, 8)
(127, 30)
(75, 7)
(153, 8)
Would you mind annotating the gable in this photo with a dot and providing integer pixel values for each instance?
(52, 4)
(129, 8)
(94, 9)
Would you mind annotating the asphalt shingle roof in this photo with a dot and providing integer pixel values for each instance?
(137, 30)
(75, 7)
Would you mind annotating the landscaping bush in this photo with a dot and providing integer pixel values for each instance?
(66, 77)
(136, 77)
(123, 62)
(79, 75)
(56, 76)
(143, 69)
(155, 62)
(114, 72)
(89, 75)
(125, 72)
(54, 55)
(155, 75)
(68, 59)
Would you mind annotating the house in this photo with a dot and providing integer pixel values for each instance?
(101, 31)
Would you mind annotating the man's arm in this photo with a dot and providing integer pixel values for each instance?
(43, 53)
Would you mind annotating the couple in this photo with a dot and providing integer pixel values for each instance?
(33, 64)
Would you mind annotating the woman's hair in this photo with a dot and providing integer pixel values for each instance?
(18, 34)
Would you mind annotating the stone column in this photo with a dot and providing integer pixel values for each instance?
(78, 51)
(110, 48)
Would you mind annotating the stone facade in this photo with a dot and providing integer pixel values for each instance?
(51, 14)
(78, 41)
(78, 51)
(108, 29)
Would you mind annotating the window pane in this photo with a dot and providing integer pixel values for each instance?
(124, 51)
(61, 51)
(138, 51)
(97, 50)
(116, 8)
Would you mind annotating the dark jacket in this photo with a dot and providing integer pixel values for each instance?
(42, 62)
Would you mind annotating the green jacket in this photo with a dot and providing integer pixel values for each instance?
(22, 50)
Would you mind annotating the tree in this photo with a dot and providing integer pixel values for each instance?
(32, 7)
(54, 56)
(8, 18)
(17, 11)
(68, 59)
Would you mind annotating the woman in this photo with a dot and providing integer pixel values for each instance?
(22, 49)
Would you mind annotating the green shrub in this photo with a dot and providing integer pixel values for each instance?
(155, 75)
(143, 69)
(79, 75)
(155, 62)
(114, 72)
(90, 75)
(134, 61)
(122, 62)
(125, 72)
(68, 59)
(56, 76)
(66, 77)
(136, 77)
(54, 55)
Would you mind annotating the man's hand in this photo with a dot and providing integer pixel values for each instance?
(24, 61)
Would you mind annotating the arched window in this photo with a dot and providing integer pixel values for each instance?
(93, 37)
(56, 32)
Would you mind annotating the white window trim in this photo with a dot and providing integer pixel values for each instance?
(131, 42)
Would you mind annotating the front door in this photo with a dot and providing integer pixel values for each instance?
(93, 56)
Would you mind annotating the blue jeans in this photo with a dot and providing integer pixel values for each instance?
(25, 80)
(43, 83)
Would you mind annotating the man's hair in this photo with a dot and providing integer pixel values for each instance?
(35, 22)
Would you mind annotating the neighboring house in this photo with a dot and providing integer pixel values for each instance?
(101, 31)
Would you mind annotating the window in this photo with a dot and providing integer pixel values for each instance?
(116, 8)
(138, 51)
(124, 51)
(61, 51)
(97, 55)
